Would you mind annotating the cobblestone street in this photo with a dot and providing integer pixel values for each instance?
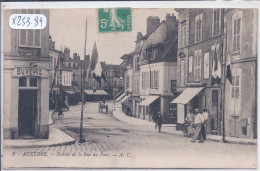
(107, 136)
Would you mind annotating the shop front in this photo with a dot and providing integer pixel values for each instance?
(26, 90)
(189, 99)
(150, 106)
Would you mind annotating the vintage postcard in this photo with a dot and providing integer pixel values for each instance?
(129, 87)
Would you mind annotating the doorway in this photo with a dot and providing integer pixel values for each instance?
(214, 119)
(27, 113)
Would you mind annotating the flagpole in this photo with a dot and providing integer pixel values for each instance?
(81, 139)
(224, 63)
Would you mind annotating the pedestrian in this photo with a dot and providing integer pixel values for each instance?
(104, 100)
(155, 119)
(204, 126)
(189, 120)
(160, 121)
(198, 121)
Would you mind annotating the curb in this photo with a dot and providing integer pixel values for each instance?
(210, 139)
(40, 146)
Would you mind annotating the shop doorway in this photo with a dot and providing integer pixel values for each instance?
(27, 113)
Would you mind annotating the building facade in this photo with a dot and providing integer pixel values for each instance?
(200, 41)
(26, 80)
(240, 93)
(158, 66)
(150, 70)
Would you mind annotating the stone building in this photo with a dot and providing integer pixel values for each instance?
(241, 93)
(150, 70)
(200, 41)
(26, 79)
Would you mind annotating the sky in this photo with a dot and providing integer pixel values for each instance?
(67, 28)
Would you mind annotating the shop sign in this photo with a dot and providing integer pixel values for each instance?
(30, 71)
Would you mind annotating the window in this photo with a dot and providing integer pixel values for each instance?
(127, 81)
(33, 82)
(149, 54)
(206, 65)
(173, 85)
(235, 86)
(28, 82)
(29, 37)
(182, 82)
(156, 79)
(216, 22)
(74, 65)
(190, 64)
(236, 35)
(137, 67)
(23, 82)
(143, 80)
(198, 28)
(183, 34)
(69, 65)
(197, 66)
(152, 79)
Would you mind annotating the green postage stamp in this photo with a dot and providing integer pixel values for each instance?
(114, 19)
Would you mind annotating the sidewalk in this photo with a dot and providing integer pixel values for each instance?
(56, 138)
(171, 129)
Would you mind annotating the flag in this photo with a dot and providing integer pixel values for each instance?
(216, 69)
(95, 65)
(228, 70)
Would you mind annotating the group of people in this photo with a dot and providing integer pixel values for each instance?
(197, 120)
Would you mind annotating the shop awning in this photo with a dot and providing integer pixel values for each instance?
(90, 92)
(148, 100)
(97, 92)
(101, 92)
(69, 92)
(187, 95)
(121, 96)
(124, 99)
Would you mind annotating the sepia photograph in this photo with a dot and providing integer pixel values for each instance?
(124, 87)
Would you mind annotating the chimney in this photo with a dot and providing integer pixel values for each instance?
(67, 52)
(171, 26)
(152, 23)
(75, 56)
(139, 36)
(87, 58)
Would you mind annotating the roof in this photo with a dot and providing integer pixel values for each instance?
(69, 59)
(167, 50)
(126, 56)
(84, 63)
(147, 35)
(65, 68)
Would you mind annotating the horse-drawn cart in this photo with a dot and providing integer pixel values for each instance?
(101, 107)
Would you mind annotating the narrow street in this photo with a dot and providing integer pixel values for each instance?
(106, 136)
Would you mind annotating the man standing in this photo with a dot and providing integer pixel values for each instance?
(160, 121)
(198, 121)
(203, 128)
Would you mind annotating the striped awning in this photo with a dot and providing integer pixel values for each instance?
(187, 95)
(121, 96)
(124, 99)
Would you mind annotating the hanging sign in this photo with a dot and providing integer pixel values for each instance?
(30, 71)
